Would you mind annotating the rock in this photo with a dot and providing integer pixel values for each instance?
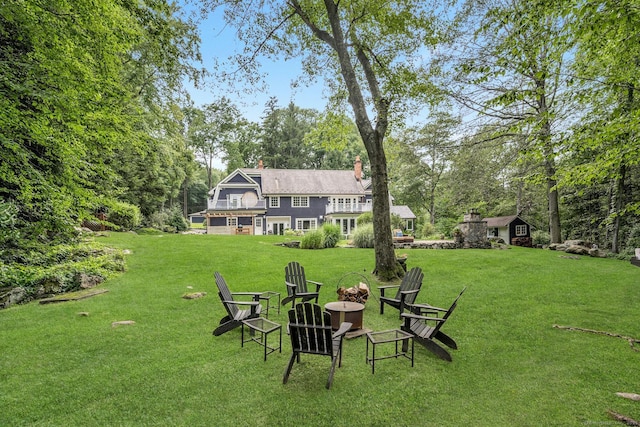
(577, 242)
(14, 296)
(194, 295)
(83, 314)
(88, 282)
(597, 253)
(578, 250)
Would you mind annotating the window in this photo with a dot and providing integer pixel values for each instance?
(521, 230)
(300, 201)
(232, 221)
(274, 202)
(306, 224)
(259, 222)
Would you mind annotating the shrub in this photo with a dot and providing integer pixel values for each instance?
(363, 237)
(540, 237)
(124, 215)
(156, 220)
(332, 234)
(633, 241)
(365, 218)
(8, 218)
(428, 229)
(177, 221)
(312, 240)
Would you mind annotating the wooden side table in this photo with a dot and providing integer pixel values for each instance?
(264, 327)
(382, 337)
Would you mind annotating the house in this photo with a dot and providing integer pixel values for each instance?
(269, 201)
(512, 229)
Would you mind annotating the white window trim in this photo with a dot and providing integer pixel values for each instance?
(521, 230)
(274, 201)
(303, 201)
(313, 224)
(232, 221)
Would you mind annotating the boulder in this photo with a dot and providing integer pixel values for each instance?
(577, 249)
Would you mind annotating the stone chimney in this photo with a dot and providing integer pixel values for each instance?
(260, 165)
(474, 230)
(357, 169)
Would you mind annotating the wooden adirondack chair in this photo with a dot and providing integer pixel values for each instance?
(427, 328)
(235, 315)
(310, 331)
(297, 285)
(407, 291)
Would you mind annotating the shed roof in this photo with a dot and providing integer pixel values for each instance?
(500, 221)
(403, 212)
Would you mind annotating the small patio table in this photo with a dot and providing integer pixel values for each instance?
(264, 327)
(382, 337)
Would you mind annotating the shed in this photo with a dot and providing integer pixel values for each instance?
(512, 229)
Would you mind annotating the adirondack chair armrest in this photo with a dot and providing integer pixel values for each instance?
(422, 309)
(412, 291)
(255, 295)
(253, 303)
(344, 328)
(385, 287)
(409, 316)
(291, 286)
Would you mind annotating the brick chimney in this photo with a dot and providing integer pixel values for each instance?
(357, 169)
(260, 165)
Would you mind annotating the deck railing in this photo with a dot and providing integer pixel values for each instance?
(225, 205)
(333, 208)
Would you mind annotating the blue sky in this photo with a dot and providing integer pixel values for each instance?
(218, 41)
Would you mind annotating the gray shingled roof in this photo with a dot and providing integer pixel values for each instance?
(500, 221)
(308, 182)
(402, 211)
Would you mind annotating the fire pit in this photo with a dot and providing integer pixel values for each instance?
(350, 304)
(345, 311)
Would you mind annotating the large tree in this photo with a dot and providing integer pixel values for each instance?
(421, 156)
(376, 47)
(79, 81)
(510, 70)
(606, 75)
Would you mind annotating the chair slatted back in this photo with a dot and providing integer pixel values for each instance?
(448, 313)
(310, 329)
(294, 273)
(225, 295)
(411, 281)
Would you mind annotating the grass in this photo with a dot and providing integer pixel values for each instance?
(512, 367)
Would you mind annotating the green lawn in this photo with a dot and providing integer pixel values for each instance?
(512, 367)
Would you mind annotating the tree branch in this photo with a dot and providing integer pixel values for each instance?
(632, 341)
(318, 32)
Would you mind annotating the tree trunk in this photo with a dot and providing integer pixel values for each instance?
(554, 211)
(618, 199)
(549, 166)
(387, 266)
